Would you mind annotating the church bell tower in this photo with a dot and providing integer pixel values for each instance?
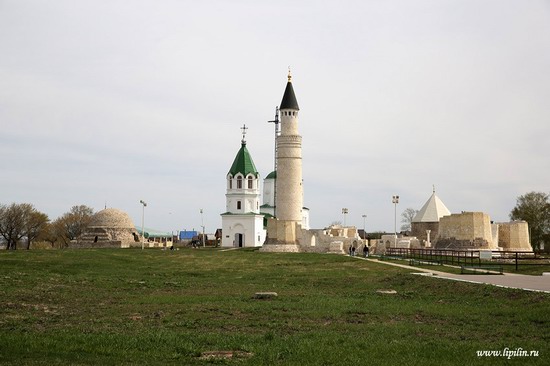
(242, 223)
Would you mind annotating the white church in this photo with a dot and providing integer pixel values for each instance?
(242, 223)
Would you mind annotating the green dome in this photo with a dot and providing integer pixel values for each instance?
(272, 175)
(243, 163)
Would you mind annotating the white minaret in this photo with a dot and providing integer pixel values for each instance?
(289, 190)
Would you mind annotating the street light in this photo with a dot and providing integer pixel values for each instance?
(395, 201)
(364, 225)
(344, 212)
(142, 222)
(202, 225)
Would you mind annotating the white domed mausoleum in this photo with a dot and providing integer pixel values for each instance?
(242, 223)
(109, 228)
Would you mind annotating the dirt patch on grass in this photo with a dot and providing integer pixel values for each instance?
(224, 355)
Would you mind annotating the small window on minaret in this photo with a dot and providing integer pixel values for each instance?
(239, 182)
(250, 183)
(230, 183)
(238, 205)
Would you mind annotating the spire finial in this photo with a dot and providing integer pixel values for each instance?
(289, 75)
(244, 128)
(433, 186)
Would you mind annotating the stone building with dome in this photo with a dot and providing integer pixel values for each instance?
(109, 228)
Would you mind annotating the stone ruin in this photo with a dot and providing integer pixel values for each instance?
(475, 230)
(333, 239)
(109, 228)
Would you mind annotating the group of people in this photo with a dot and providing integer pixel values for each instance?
(352, 251)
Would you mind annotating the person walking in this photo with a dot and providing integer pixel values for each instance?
(365, 251)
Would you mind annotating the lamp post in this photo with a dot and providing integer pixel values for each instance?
(142, 223)
(344, 212)
(364, 225)
(202, 225)
(395, 201)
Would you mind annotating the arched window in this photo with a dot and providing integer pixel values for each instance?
(239, 182)
(238, 205)
(250, 183)
(230, 182)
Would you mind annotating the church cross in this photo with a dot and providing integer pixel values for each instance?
(244, 128)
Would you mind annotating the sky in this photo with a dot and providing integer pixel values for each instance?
(106, 103)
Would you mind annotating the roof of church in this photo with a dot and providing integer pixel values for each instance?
(289, 98)
(432, 211)
(272, 175)
(243, 162)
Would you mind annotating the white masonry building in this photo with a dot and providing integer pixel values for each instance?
(242, 223)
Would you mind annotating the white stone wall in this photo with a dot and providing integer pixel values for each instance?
(466, 226)
(305, 218)
(514, 236)
(322, 240)
(251, 226)
(269, 190)
(289, 122)
(249, 198)
(245, 220)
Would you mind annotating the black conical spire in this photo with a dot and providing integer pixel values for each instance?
(289, 98)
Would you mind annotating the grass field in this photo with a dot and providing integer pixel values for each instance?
(153, 307)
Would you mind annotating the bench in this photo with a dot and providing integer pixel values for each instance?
(432, 262)
(487, 269)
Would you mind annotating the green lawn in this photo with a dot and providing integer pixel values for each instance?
(113, 307)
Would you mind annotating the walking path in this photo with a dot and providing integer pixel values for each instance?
(509, 280)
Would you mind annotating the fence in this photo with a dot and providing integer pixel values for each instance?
(465, 257)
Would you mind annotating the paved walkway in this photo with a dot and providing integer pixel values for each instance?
(509, 280)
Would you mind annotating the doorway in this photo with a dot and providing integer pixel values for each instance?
(239, 240)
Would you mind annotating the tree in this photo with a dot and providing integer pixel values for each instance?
(534, 207)
(19, 220)
(407, 217)
(72, 224)
(35, 224)
(50, 233)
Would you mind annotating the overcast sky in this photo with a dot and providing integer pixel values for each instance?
(110, 102)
